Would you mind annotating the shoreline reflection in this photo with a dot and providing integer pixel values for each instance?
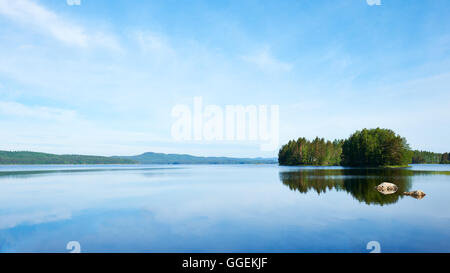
(360, 183)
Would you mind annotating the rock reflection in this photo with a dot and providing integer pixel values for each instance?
(415, 194)
(360, 183)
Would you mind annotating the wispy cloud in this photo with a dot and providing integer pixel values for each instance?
(35, 112)
(58, 130)
(155, 44)
(38, 18)
(264, 60)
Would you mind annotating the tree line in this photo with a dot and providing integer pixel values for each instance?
(317, 152)
(424, 157)
(367, 147)
(23, 157)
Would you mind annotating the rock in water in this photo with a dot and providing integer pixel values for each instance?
(387, 188)
(416, 194)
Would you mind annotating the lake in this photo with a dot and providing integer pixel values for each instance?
(222, 208)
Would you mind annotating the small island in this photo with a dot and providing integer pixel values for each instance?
(365, 148)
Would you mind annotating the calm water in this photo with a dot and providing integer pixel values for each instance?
(222, 208)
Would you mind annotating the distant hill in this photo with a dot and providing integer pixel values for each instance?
(21, 157)
(44, 158)
(160, 158)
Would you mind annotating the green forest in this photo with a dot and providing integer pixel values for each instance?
(364, 148)
(317, 152)
(7, 157)
(376, 147)
(19, 157)
(424, 157)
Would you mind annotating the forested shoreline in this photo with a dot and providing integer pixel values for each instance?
(318, 152)
(367, 147)
(24, 157)
(424, 157)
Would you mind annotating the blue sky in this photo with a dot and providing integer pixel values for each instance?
(102, 77)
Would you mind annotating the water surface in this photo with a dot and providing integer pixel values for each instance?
(222, 208)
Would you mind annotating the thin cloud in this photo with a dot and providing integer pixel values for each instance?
(47, 22)
(36, 112)
(153, 43)
(264, 60)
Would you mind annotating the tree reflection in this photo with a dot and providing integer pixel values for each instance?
(360, 183)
